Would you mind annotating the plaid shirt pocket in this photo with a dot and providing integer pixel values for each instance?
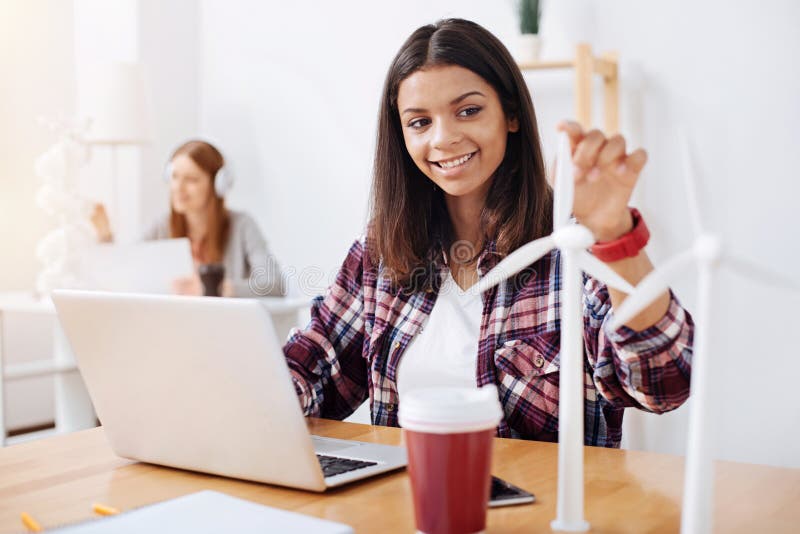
(528, 378)
(521, 358)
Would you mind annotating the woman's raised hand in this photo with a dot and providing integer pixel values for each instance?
(102, 226)
(605, 175)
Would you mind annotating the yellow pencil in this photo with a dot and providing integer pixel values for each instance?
(30, 523)
(103, 509)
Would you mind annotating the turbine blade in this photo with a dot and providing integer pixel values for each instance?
(515, 262)
(602, 272)
(690, 181)
(651, 286)
(564, 188)
(752, 270)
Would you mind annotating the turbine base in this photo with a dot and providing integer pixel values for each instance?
(575, 526)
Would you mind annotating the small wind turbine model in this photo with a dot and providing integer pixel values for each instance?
(572, 240)
(708, 254)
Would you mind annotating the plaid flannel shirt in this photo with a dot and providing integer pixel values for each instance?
(360, 328)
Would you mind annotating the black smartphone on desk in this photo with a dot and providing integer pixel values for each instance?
(505, 494)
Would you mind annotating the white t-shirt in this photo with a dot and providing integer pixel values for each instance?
(445, 351)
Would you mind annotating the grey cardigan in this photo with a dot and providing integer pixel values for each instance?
(250, 267)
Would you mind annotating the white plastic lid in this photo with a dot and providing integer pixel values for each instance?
(449, 410)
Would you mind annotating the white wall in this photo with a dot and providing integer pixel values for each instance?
(169, 47)
(38, 80)
(293, 95)
(37, 66)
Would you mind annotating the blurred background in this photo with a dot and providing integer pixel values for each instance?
(289, 92)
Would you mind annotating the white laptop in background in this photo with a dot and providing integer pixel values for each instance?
(143, 267)
(201, 383)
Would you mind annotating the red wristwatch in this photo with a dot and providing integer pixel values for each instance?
(625, 246)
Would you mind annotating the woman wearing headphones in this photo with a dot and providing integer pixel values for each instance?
(198, 182)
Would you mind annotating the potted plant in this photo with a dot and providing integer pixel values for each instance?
(528, 43)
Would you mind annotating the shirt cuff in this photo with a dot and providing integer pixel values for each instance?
(654, 338)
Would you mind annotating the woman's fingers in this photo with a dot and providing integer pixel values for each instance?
(573, 130)
(186, 285)
(585, 156)
(592, 151)
(612, 151)
(99, 220)
(98, 216)
(177, 287)
(635, 162)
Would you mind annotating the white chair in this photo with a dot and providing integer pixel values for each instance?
(73, 408)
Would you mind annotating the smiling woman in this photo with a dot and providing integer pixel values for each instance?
(456, 142)
(458, 111)
(459, 183)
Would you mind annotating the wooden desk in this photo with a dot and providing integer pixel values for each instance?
(57, 479)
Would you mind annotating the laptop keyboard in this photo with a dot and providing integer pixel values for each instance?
(333, 465)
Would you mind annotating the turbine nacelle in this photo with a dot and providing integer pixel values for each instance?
(708, 248)
(573, 237)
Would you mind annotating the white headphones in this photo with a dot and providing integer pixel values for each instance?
(223, 179)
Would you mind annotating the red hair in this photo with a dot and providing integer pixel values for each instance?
(210, 160)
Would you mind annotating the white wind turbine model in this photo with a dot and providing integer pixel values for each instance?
(707, 254)
(572, 240)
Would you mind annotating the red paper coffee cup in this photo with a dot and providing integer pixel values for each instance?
(448, 435)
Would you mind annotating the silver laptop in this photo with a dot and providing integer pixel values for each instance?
(201, 383)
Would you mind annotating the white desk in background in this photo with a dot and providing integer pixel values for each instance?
(73, 407)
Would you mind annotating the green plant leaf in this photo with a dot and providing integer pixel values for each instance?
(529, 12)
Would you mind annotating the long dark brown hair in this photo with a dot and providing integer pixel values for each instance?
(407, 215)
(208, 158)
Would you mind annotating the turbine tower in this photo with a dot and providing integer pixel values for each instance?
(572, 240)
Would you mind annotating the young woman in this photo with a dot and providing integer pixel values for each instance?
(198, 182)
(459, 183)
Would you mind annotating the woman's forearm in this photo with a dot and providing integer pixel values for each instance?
(634, 270)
